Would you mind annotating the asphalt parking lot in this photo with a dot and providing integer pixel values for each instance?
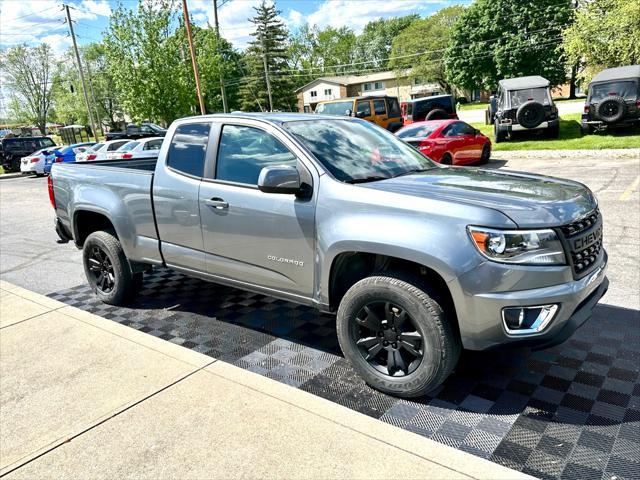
(572, 411)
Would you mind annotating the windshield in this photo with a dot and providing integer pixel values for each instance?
(417, 131)
(518, 97)
(96, 147)
(336, 108)
(625, 89)
(356, 151)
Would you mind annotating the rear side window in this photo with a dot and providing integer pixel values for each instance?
(188, 148)
(393, 107)
(245, 151)
(153, 145)
(379, 107)
(46, 142)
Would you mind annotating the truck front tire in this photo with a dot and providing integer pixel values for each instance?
(396, 335)
(107, 268)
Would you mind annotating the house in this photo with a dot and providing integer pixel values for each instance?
(396, 84)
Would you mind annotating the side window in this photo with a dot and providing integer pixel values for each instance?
(393, 107)
(188, 147)
(153, 145)
(245, 151)
(451, 130)
(116, 145)
(379, 107)
(46, 142)
(465, 129)
(146, 129)
(364, 108)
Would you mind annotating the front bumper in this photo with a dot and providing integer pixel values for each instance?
(480, 314)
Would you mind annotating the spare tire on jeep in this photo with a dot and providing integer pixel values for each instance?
(437, 114)
(611, 109)
(530, 114)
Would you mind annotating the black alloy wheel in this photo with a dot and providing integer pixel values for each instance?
(388, 339)
(101, 268)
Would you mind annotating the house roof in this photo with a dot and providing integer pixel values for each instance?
(629, 71)
(354, 79)
(534, 81)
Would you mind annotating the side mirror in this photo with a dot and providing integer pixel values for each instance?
(279, 179)
(348, 112)
(476, 132)
(360, 114)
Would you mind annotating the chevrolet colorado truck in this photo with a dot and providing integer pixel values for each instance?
(416, 259)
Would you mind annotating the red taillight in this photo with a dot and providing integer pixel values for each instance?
(126, 155)
(425, 147)
(638, 104)
(52, 197)
(586, 109)
(34, 159)
(58, 159)
(92, 156)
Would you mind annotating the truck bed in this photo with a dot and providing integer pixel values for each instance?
(118, 189)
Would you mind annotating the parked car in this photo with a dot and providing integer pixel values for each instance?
(100, 150)
(65, 155)
(133, 131)
(436, 107)
(381, 110)
(613, 99)
(450, 142)
(418, 260)
(34, 163)
(143, 148)
(12, 149)
(522, 104)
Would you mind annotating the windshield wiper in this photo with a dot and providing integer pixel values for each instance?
(371, 178)
(415, 170)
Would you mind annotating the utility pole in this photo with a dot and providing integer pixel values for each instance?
(222, 90)
(93, 99)
(185, 12)
(84, 85)
(266, 71)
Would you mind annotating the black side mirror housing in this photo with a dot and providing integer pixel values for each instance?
(282, 179)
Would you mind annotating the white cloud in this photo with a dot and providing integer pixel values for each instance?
(27, 21)
(100, 7)
(355, 15)
(295, 18)
(59, 43)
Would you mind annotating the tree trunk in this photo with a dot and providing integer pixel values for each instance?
(572, 81)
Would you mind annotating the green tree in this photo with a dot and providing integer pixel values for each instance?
(374, 43)
(495, 39)
(106, 100)
(430, 35)
(28, 77)
(68, 103)
(314, 52)
(606, 33)
(267, 64)
(147, 64)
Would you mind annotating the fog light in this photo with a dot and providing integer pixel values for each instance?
(527, 320)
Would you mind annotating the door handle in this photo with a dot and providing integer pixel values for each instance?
(217, 203)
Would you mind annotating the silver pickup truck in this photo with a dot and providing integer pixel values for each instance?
(417, 260)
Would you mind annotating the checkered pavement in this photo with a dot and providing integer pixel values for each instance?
(572, 411)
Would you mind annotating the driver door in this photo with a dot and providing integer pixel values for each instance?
(249, 236)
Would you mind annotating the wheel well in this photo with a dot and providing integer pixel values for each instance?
(87, 222)
(351, 267)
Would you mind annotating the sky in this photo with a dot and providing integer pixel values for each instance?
(37, 21)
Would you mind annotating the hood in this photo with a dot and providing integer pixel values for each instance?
(531, 201)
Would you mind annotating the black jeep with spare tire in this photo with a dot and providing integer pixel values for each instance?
(613, 99)
(522, 104)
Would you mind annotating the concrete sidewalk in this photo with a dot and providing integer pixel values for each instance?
(84, 397)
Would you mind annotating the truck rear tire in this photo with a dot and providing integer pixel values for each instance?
(396, 335)
(107, 268)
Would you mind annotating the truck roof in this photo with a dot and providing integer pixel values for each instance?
(519, 83)
(275, 118)
(618, 73)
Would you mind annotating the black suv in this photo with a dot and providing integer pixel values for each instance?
(613, 99)
(135, 132)
(522, 104)
(14, 148)
(436, 107)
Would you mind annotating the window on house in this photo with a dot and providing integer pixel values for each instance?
(417, 81)
(378, 86)
(327, 91)
(313, 94)
(367, 87)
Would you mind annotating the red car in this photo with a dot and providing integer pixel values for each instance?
(450, 142)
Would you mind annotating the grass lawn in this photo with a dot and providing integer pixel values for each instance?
(1, 170)
(570, 138)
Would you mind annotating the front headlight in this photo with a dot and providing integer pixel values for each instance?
(524, 247)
